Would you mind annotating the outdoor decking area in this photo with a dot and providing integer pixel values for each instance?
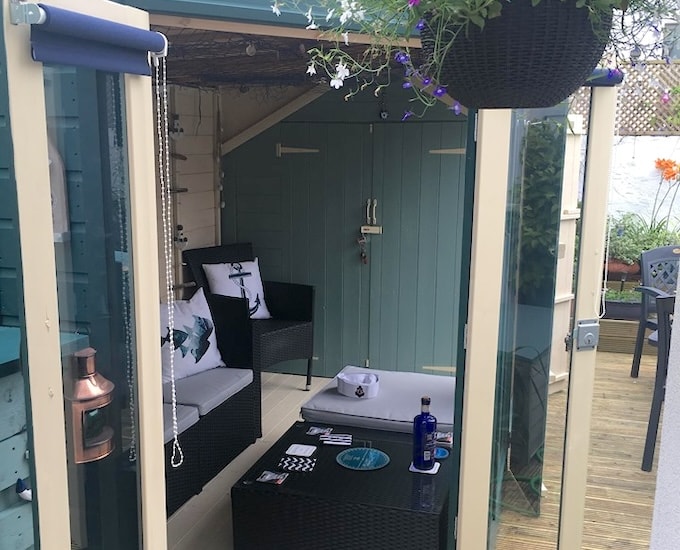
(619, 495)
(619, 498)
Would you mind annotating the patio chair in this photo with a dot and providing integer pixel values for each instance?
(289, 333)
(658, 277)
(661, 338)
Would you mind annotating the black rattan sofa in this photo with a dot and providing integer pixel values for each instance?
(287, 335)
(215, 423)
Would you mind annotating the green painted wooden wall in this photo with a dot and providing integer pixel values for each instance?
(303, 213)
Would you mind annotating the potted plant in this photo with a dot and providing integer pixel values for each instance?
(482, 53)
(629, 235)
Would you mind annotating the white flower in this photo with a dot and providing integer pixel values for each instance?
(275, 8)
(312, 26)
(345, 36)
(343, 71)
(337, 83)
(311, 69)
(308, 15)
(351, 10)
(330, 14)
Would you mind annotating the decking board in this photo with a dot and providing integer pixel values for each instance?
(619, 495)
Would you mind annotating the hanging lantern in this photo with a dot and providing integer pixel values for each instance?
(89, 396)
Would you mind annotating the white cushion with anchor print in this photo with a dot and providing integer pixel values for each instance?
(239, 280)
(193, 342)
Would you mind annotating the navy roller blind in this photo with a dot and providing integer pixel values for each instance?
(70, 38)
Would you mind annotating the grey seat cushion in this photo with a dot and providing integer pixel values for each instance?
(208, 389)
(393, 409)
(186, 417)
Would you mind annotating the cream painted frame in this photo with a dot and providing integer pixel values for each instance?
(486, 274)
(27, 119)
(587, 306)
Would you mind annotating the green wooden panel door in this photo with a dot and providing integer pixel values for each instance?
(303, 209)
(418, 182)
(302, 212)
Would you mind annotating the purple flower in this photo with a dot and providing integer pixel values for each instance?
(401, 57)
(412, 3)
(439, 91)
(420, 25)
(406, 85)
(427, 81)
(407, 115)
(456, 108)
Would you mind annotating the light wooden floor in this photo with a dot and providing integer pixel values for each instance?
(619, 496)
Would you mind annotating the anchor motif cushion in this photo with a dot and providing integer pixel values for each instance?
(193, 342)
(239, 280)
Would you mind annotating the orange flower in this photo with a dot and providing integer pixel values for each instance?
(669, 168)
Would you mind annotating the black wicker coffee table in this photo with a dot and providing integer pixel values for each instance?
(333, 507)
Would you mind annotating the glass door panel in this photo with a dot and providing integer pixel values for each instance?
(90, 202)
(530, 402)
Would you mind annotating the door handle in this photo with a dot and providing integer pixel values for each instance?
(368, 211)
(375, 205)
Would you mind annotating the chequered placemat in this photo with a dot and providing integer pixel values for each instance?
(297, 464)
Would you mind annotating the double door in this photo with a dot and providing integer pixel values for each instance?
(387, 297)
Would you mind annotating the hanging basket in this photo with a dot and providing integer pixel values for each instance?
(528, 57)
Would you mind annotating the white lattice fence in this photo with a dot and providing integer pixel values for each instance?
(641, 111)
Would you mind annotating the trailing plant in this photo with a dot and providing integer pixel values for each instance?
(367, 42)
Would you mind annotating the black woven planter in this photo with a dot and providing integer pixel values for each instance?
(528, 57)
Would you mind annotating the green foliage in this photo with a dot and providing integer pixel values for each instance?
(389, 28)
(630, 234)
(541, 201)
(628, 296)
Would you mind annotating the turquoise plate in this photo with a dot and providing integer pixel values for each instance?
(362, 458)
(441, 453)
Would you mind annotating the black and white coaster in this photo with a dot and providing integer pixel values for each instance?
(297, 464)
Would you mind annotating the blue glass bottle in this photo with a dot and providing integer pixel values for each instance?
(424, 428)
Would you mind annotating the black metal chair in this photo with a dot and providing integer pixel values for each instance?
(289, 333)
(661, 338)
(658, 277)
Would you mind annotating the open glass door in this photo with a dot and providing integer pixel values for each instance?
(545, 370)
(530, 397)
(81, 123)
(95, 288)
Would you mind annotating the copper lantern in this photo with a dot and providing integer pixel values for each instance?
(88, 397)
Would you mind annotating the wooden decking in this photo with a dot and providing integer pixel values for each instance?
(620, 496)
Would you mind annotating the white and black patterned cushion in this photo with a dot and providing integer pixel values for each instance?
(193, 342)
(239, 280)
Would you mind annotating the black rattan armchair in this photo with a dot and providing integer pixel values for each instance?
(289, 333)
